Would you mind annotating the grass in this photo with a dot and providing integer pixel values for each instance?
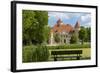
(74, 46)
(35, 53)
(38, 53)
(86, 52)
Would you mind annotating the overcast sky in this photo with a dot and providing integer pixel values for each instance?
(70, 18)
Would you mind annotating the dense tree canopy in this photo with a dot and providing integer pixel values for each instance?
(83, 34)
(57, 38)
(88, 34)
(35, 25)
(74, 38)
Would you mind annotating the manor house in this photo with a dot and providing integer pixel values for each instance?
(64, 31)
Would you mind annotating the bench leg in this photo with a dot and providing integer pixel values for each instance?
(55, 59)
(78, 57)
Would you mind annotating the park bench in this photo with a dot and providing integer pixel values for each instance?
(70, 54)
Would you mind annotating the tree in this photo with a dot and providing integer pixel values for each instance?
(57, 38)
(74, 38)
(34, 27)
(46, 34)
(42, 18)
(88, 34)
(82, 34)
(29, 22)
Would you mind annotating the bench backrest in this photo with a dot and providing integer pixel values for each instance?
(66, 52)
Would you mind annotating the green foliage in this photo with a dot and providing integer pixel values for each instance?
(88, 34)
(71, 46)
(46, 35)
(34, 27)
(42, 53)
(35, 53)
(29, 54)
(74, 38)
(42, 18)
(57, 38)
(82, 34)
(28, 21)
(85, 34)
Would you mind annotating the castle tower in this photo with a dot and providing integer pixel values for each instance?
(59, 22)
(77, 26)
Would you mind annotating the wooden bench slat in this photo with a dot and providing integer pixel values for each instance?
(60, 54)
(66, 56)
(66, 52)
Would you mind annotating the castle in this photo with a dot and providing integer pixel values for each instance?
(64, 31)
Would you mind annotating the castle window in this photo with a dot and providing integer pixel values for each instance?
(55, 30)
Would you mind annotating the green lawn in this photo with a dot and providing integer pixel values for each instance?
(38, 53)
(86, 53)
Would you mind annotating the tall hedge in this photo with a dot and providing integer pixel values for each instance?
(35, 54)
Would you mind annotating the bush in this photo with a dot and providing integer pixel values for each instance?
(28, 52)
(42, 53)
(57, 38)
(71, 46)
(74, 38)
(35, 54)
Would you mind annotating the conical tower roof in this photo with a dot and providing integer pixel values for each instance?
(59, 21)
(77, 25)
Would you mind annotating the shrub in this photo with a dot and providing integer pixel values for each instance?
(28, 52)
(42, 53)
(35, 53)
(71, 46)
(74, 38)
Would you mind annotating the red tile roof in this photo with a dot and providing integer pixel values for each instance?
(62, 28)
